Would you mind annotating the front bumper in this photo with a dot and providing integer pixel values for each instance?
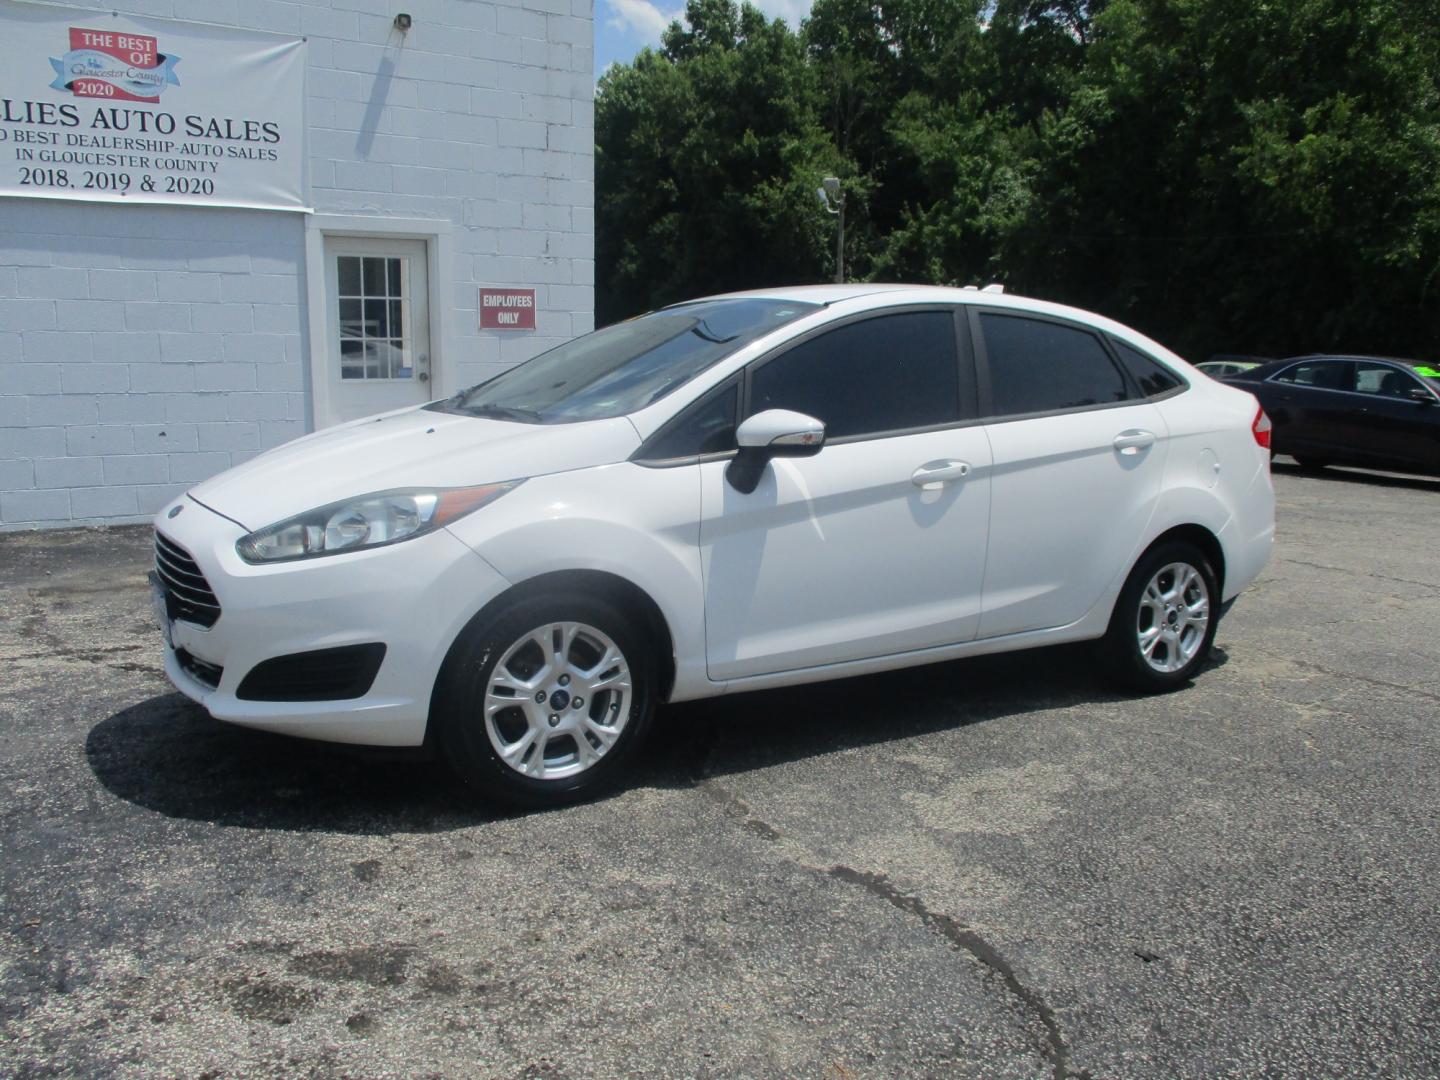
(414, 597)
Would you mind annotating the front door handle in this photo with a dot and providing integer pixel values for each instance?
(1134, 440)
(937, 472)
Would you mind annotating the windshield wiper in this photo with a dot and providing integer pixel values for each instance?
(503, 412)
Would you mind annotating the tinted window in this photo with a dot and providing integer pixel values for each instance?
(884, 374)
(706, 427)
(627, 366)
(1324, 374)
(1383, 379)
(1149, 375)
(1429, 372)
(1039, 366)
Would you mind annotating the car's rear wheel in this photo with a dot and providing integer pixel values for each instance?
(1165, 619)
(546, 702)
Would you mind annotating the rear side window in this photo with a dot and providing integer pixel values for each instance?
(1038, 366)
(889, 373)
(1148, 373)
(1322, 374)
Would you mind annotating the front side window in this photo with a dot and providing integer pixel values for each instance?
(706, 427)
(1038, 366)
(1430, 373)
(627, 366)
(1384, 380)
(887, 373)
(1321, 374)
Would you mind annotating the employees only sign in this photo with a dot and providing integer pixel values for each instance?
(507, 309)
(110, 108)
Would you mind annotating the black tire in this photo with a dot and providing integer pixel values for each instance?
(1120, 650)
(1310, 464)
(458, 714)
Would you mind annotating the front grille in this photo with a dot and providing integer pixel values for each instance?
(188, 595)
(322, 675)
(199, 670)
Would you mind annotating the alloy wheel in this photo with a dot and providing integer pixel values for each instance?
(557, 700)
(1173, 617)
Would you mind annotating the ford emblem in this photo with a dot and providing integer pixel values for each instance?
(175, 510)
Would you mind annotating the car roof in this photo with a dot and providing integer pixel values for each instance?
(813, 294)
(1264, 371)
(990, 296)
(1353, 356)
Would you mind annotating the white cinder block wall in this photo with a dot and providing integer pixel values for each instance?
(144, 348)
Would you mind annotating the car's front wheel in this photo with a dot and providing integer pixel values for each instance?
(544, 703)
(1165, 619)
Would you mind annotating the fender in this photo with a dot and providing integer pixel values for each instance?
(1176, 507)
(637, 523)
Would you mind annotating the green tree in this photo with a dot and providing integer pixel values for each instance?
(708, 154)
(1229, 175)
(1243, 176)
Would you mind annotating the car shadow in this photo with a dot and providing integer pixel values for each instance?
(167, 755)
(1346, 474)
(759, 729)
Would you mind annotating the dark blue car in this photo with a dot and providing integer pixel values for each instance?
(1367, 411)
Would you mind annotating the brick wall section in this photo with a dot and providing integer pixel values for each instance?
(143, 349)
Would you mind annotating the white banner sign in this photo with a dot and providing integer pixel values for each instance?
(110, 108)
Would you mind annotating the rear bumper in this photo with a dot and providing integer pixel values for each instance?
(1248, 539)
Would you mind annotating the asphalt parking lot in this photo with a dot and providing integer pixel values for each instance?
(992, 868)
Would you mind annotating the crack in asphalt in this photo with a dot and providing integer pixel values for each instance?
(739, 811)
(35, 627)
(87, 655)
(963, 938)
(1360, 573)
(1053, 1049)
(1311, 665)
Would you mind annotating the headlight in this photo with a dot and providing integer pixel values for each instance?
(386, 517)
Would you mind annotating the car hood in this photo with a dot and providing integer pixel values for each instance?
(406, 449)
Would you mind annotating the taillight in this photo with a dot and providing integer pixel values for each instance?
(1261, 428)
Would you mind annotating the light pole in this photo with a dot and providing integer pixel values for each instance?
(834, 201)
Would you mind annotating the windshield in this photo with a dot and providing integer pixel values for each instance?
(624, 367)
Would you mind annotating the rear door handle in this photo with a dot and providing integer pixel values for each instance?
(1134, 440)
(937, 472)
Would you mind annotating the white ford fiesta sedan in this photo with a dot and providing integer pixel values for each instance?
(746, 491)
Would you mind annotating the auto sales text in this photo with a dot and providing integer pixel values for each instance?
(139, 121)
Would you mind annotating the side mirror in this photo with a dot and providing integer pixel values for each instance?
(1421, 395)
(771, 434)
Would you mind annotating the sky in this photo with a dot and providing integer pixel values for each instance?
(624, 27)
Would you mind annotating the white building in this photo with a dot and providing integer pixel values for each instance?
(183, 286)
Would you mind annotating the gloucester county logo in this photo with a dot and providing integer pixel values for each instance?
(106, 64)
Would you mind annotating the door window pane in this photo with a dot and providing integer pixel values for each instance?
(1323, 374)
(373, 305)
(350, 319)
(884, 374)
(374, 276)
(349, 276)
(1040, 366)
(377, 324)
(1384, 380)
(1152, 378)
